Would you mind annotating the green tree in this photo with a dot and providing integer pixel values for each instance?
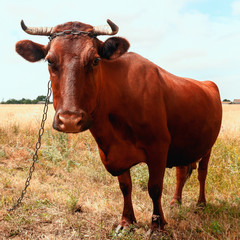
(41, 98)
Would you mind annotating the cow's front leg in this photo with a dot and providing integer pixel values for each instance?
(128, 216)
(156, 166)
(155, 186)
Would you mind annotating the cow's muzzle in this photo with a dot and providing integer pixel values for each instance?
(71, 122)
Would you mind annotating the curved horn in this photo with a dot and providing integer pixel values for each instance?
(110, 29)
(46, 31)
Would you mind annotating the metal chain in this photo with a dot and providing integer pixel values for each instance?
(70, 32)
(38, 145)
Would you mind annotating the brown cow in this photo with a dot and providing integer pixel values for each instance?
(136, 111)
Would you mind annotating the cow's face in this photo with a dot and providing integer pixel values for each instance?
(74, 63)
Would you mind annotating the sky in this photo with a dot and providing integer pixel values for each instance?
(197, 39)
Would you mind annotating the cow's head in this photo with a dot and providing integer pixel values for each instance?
(74, 57)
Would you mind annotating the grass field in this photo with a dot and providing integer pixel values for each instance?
(72, 196)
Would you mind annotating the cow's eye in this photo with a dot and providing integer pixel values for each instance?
(50, 63)
(95, 61)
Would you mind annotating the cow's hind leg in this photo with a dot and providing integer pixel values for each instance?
(202, 174)
(182, 175)
(128, 216)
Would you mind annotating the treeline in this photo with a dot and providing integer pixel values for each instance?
(39, 99)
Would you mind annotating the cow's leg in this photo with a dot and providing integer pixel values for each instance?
(156, 166)
(155, 186)
(181, 174)
(202, 174)
(125, 184)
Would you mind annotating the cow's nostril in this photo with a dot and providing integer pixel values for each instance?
(61, 119)
(60, 122)
(79, 122)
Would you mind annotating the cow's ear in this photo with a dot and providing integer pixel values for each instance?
(113, 47)
(31, 51)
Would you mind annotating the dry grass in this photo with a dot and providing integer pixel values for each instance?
(231, 120)
(72, 196)
(23, 116)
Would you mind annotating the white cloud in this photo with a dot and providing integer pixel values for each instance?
(193, 44)
(235, 8)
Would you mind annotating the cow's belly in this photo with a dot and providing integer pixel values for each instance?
(183, 157)
(192, 140)
(186, 151)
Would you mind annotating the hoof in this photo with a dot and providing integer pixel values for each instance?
(175, 202)
(157, 223)
(201, 201)
(123, 230)
(120, 229)
(155, 234)
(201, 204)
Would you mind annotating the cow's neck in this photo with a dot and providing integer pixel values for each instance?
(111, 99)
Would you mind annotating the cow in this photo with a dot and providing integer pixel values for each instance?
(136, 111)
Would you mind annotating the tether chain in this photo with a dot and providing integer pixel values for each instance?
(38, 145)
(70, 32)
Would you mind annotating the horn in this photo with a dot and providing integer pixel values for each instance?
(110, 29)
(45, 31)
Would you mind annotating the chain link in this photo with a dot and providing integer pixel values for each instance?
(37, 147)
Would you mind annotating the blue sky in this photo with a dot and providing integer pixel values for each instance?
(214, 8)
(191, 38)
